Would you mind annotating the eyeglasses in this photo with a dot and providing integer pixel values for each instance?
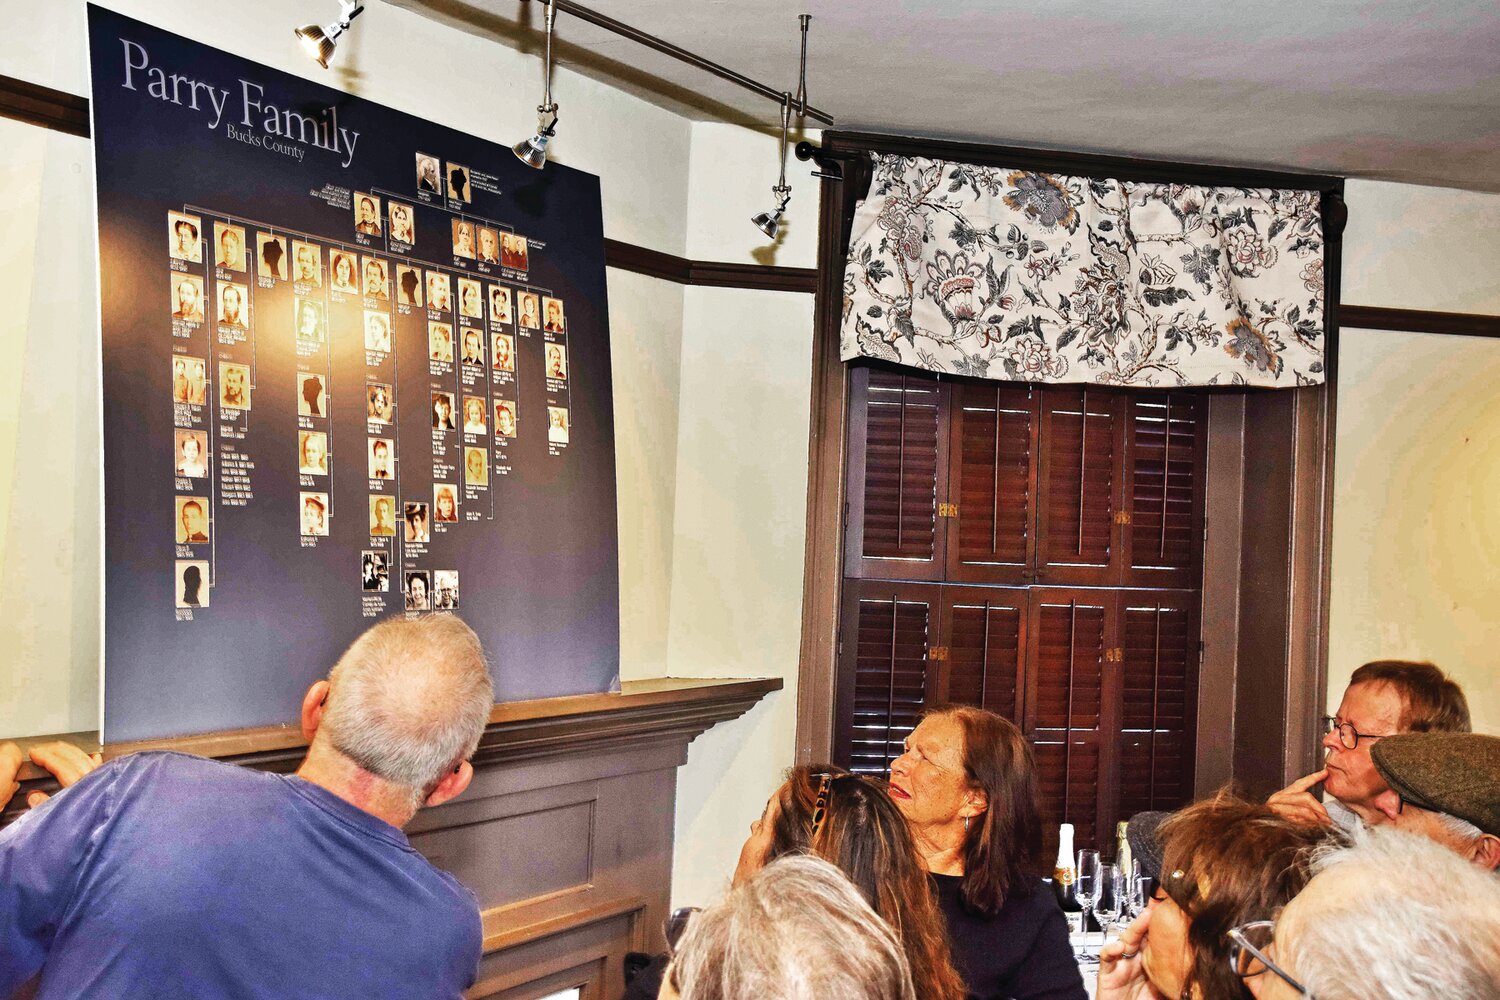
(820, 805)
(1247, 956)
(1348, 735)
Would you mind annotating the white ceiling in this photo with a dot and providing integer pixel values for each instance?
(1403, 90)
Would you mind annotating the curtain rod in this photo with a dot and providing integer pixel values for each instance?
(683, 55)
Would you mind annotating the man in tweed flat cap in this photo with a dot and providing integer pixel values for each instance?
(1445, 786)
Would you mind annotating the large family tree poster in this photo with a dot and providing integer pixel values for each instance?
(356, 364)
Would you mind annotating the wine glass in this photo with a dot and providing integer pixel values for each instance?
(1140, 892)
(1110, 900)
(1087, 888)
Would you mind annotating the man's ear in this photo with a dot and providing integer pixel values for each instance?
(312, 709)
(1486, 852)
(1388, 803)
(451, 786)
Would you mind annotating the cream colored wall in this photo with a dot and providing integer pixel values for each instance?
(1416, 512)
(50, 447)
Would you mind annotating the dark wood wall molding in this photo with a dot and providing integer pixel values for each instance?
(1418, 321)
(36, 105)
(707, 273)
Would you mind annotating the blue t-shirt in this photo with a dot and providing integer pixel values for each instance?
(168, 876)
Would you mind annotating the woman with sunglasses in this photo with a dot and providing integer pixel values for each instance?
(967, 788)
(849, 820)
(1225, 863)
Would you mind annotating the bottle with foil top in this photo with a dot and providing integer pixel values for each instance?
(1065, 873)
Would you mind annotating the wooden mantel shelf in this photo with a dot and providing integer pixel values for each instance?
(660, 708)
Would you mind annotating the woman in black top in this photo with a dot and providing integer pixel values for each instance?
(967, 786)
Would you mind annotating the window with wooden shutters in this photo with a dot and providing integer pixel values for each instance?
(1035, 550)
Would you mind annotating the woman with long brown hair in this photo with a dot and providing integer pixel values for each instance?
(849, 819)
(967, 788)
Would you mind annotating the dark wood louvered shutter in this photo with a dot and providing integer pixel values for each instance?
(994, 438)
(984, 643)
(898, 472)
(886, 677)
(1068, 699)
(1166, 447)
(1078, 481)
(1159, 676)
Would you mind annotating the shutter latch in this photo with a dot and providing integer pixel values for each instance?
(938, 653)
(1122, 517)
(947, 510)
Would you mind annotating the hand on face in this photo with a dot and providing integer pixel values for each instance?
(1296, 803)
(1122, 973)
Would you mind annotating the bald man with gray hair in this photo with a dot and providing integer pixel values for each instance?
(165, 875)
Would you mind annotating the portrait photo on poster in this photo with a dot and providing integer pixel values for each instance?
(557, 361)
(470, 303)
(378, 402)
(376, 286)
(308, 316)
(476, 468)
(377, 332)
(312, 395)
(192, 453)
(314, 508)
(187, 297)
(307, 264)
(192, 520)
(557, 424)
(189, 384)
(442, 411)
(344, 272)
(505, 418)
(463, 239)
(234, 385)
(418, 530)
(445, 590)
(271, 249)
(489, 246)
(499, 304)
(191, 581)
(312, 453)
(381, 466)
(513, 251)
(382, 516)
(552, 310)
(504, 352)
(429, 174)
(444, 503)
(374, 571)
(184, 240)
(366, 214)
(417, 591)
(530, 315)
(474, 415)
(229, 246)
(440, 342)
(403, 228)
(439, 292)
(473, 342)
(409, 286)
(234, 305)
(458, 182)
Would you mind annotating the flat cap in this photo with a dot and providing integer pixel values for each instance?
(1453, 773)
(1145, 842)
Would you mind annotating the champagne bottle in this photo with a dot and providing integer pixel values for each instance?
(1065, 871)
(1122, 854)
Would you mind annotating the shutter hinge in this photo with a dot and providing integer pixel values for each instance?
(947, 510)
(938, 653)
(1114, 655)
(1122, 517)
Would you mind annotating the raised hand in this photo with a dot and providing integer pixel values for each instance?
(1296, 803)
(66, 762)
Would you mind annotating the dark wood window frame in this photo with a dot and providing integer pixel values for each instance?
(1268, 502)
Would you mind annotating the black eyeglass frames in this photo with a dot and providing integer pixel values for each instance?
(1247, 956)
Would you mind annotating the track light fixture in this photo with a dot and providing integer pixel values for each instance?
(319, 42)
(533, 151)
(770, 222)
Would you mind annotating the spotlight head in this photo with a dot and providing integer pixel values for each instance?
(316, 43)
(533, 151)
(770, 222)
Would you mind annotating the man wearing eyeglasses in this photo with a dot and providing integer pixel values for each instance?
(1384, 698)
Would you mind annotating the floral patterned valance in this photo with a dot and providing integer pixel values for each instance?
(1012, 274)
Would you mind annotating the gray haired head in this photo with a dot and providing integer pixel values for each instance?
(1393, 916)
(409, 699)
(796, 930)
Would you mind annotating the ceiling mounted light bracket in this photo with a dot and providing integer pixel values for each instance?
(320, 41)
(533, 151)
(770, 222)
